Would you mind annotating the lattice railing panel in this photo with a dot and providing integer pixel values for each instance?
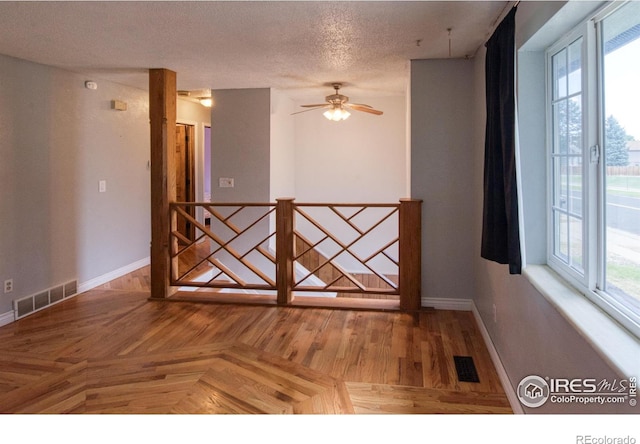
(233, 252)
(326, 249)
(351, 248)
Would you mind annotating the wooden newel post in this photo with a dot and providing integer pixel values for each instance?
(410, 221)
(284, 250)
(162, 118)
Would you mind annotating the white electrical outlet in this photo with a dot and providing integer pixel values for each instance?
(102, 186)
(8, 286)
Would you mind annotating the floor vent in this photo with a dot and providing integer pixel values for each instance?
(31, 304)
(466, 369)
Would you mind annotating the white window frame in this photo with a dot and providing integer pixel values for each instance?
(593, 173)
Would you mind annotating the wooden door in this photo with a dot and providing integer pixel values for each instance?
(185, 174)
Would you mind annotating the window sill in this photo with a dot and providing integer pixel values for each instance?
(617, 346)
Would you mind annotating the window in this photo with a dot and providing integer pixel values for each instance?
(593, 104)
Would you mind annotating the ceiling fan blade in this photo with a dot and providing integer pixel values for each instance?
(366, 109)
(314, 106)
(361, 104)
(312, 109)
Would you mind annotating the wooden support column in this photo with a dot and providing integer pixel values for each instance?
(410, 221)
(284, 250)
(162, 115)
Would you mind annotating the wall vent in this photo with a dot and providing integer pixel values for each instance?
(70, 289)
(44, 299)
(56, 294)
(41, 300)
(23, 307)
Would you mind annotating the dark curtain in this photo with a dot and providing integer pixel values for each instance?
(500, 227)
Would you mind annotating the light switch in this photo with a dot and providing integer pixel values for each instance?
(102, 185)
(225, 182)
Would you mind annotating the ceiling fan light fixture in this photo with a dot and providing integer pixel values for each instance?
(337, 106)
(337, 113)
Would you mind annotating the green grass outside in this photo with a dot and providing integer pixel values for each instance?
(627, 186)
(625, 275)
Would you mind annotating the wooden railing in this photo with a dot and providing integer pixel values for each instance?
(227, 259)
(287, 249)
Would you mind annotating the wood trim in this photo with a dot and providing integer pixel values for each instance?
(410, 254)
(162, 117)
(215, 297)
(292, 246)
(375, 286)
(224, 245)
(185, 175)
(344, 247)
(284, 249)
(346, 303)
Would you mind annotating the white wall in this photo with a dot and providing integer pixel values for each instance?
(58, 139)
(442, 168)
(283, 147)
(361, 159)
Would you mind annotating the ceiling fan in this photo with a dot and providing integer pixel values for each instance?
(338, 107)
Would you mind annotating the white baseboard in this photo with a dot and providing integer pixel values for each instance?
(115, 274)
(448, 304)
(497, 363)
(7, 318)
(469, 305)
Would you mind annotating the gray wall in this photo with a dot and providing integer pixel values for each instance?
(240, 133)
(57, 140)
(442, 173)
(530, 335)
(240, 140)
(447, 159)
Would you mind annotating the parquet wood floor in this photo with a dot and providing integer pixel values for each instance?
(111, 350)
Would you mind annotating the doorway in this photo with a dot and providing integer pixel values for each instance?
(185, 175)
(207, 172)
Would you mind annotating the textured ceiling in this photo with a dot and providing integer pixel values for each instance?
(297, 46)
